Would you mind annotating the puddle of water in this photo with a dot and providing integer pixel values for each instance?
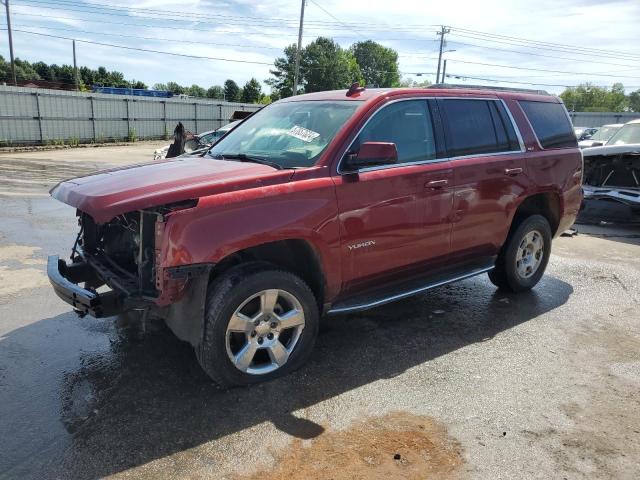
(396, 446)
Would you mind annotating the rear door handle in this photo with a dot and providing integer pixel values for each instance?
(513, 171)
(437, 183)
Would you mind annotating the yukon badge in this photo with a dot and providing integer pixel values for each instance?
(368, 243)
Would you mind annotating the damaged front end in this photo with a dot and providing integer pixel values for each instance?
(116, 266)
(611, 185)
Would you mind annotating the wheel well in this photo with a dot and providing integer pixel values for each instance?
(295, 256)
(545, 204)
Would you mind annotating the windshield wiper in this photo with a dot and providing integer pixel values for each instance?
(243, 157)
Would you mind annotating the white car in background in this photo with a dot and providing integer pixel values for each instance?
(602, 136)
(198, 141)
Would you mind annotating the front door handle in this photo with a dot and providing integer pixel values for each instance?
(437, 183)
(512, 172)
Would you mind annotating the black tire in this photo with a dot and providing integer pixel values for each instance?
(505, 275)
(225, 294)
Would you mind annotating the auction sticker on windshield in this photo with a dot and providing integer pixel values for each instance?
(303, 134)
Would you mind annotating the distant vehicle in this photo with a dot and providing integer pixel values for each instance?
(324, 203)
(198, 142)
(584, 133)
(628, 134)
(602, 136)
(136, 92)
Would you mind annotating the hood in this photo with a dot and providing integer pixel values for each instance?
(109, 193)
(612, 149)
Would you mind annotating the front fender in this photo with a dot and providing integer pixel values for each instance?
(224, 224)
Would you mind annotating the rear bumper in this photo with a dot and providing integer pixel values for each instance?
(64, 279)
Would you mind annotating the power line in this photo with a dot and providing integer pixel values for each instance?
(183, 29)
(538, 42)
(218, 16)
(536, 54)
(149, 50)
(464, 76)
(180, 40)
(541, 69)
(201, 57)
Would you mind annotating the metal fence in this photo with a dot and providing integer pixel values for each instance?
(39, 116)
(597, 119)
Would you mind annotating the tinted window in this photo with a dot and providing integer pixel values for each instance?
(551, 124)
(408, 125)
(475, 127)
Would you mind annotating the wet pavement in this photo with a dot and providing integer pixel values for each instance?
(460, 382)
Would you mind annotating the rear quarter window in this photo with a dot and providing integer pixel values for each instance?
(550, 124)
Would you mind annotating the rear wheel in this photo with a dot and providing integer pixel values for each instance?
(524, 256)
(260, 323)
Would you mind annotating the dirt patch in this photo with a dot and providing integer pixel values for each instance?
(13, 280)
(396, 446)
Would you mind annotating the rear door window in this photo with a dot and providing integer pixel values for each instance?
(550, 123)
(407, 124)
(476, 127)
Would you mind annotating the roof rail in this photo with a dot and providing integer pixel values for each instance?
(490, 87)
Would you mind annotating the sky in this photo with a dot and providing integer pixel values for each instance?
(578, 41)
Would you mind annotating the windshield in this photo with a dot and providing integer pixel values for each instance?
(630, 133)
(290, 134)
(604, 133)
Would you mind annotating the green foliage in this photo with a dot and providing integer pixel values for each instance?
(634, 101)
(196, 91)
(407, 82)
(231, 91)
(74, 141)
(379, 64)
(175, 88)
(216, 92)
(133, 136)
(252, 91)
(327, 66)
(589, 98)
(283, 72)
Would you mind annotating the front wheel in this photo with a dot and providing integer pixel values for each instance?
(524, 256)
(260, 323)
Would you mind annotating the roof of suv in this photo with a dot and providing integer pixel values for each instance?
(436, 90)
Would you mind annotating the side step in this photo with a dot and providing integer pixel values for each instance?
(406, 289)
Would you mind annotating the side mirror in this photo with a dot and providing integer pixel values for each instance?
(373, 154)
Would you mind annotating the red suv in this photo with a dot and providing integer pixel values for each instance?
(323, 204)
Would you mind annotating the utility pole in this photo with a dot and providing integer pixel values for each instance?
(444, 71)
(75, 67)
(443, 31)
(13, 65)
(296, 74)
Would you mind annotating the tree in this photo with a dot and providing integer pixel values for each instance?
(196, 91)
(231, 91)
(327, 66)
(160, 86)
(379, 64)
(251, 91)
(589, 98)
(138, 84)
(216, 92)
(409, 82)
(634, 101)
(175, 88)
(283, 72)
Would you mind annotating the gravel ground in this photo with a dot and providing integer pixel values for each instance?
(460, 382)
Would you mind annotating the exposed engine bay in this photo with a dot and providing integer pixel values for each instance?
(611, 186)
(122, 251)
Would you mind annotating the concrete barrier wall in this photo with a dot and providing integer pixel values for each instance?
(597, 119)
(39, 116)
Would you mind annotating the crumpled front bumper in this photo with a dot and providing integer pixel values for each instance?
(65, 278)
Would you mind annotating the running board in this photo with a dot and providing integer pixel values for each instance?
(404, 290)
